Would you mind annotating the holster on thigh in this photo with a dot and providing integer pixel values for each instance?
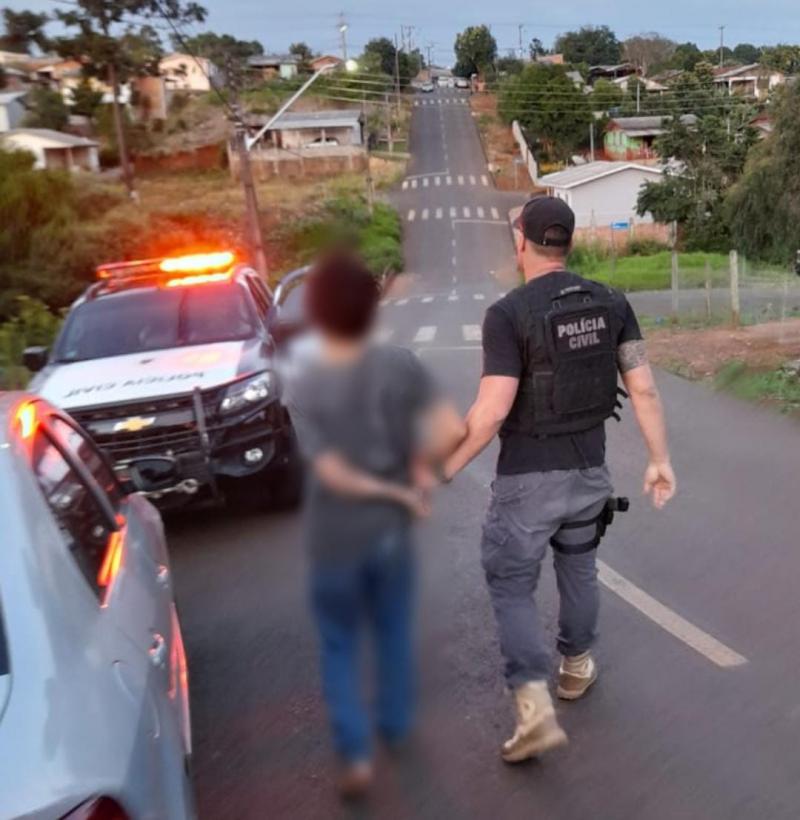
(576, 537)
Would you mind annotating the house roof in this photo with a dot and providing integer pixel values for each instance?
(583, 174)
(266, 60)
(341, 118)
(722, 74)
(648, 126)
(58, 138)
(7, 97)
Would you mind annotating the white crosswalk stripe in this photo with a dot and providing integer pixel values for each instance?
(413, 183)
(453, 297)
(425, 181)
(405, 184)
(427, 299)
(438, 213)
(449, 180)
(495, 213)
(472, 333)
(453, 213)
(424, 213)
(427, 333)
(467, 212)
(472, 179)
(478, 297)
(460, 179)
(411, 215)
(437, 180)
(484, 180)
(479, 211)
(401, 302)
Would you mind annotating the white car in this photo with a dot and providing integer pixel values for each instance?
(427, 88)
(94, 702)
(462, 82)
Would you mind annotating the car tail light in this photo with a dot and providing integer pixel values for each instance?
(98, 808)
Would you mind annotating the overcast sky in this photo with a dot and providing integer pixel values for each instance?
(276, 23)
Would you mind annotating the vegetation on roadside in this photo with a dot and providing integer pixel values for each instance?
(779, 387)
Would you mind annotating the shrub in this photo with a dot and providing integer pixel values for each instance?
(33, 324)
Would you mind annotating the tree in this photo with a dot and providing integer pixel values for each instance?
(782, 57)
(23, 29)
(219, 48)
(546, 102)
(747, 53)
(380, 52)
(764, 206)
(46, 109)
(536, 48)
(303, 53)
(104, 54)
(605, 96)
(476, 51)
(509, 65)
(648, 52)
(593, 45)
(686, 56)
(86, 99)
(711, 151)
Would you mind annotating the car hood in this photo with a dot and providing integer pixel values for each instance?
(142, 375)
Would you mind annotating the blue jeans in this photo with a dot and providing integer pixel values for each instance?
(375, 589)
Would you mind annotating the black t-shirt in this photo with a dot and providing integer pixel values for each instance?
(503, 355)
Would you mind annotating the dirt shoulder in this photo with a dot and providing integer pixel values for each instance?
(700, 354)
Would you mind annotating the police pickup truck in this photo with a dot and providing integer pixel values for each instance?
(176, 357)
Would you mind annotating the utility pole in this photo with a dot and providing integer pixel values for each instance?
(397, 74)
(428, 48)
(721, 46)
(519, 30)
(591, 141)
(638, 95)
(256, 241)
(343, 35)
(370, 188)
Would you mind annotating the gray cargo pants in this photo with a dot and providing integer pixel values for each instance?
(525, 512)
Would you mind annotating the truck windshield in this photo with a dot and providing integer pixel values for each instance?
(136, 321)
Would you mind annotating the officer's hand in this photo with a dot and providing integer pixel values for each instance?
(659, 482)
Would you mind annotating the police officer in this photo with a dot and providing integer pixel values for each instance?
(552, 352)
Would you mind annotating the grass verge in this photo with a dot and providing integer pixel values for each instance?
(780, 387)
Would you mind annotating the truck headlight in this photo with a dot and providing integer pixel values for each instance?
(246, 393)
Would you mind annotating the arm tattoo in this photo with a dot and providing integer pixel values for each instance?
(631, 354)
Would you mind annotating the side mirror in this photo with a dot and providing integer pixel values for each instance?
(151, 474)
(35, 358)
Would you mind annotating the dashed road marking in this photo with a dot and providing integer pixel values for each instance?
(425, 182)
(437, 180)
(453, 297)
(405, 184)
(427, 333)
(401, 302)
(449, 180)
(466, 212)
(460, 179)
(411, 215)
(478, 297)
(484, 180)
(471, 333)
(707, 645)
(453, 213)
(413, 183)
(424, 213)
(495, 213)
(427, 299)
(479, 211)
(438, 213)
(472, 179)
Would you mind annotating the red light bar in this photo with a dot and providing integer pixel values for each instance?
(198, 279)
(198, 262)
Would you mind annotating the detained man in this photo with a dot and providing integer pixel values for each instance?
(368, 420)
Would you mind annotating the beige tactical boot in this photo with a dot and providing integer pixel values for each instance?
(537, 728)
(575, 676)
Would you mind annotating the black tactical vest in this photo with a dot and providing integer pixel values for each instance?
(569, 382)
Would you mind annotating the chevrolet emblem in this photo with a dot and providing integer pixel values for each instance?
(134, 424)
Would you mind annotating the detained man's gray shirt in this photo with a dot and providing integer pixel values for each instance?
(368, 412)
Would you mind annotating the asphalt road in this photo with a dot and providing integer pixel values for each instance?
(697, 711)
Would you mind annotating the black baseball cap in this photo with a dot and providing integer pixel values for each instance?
(542, 213)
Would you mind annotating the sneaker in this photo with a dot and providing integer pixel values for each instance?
(355, 780)
(537, 729)
(575, 676)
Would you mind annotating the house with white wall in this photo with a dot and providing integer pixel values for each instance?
(54, 150)
(12, 110)
(602, 193)
(183, 72)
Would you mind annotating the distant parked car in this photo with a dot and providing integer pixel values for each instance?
(319, 142)
(462, 82)
(94, 701)
(427, 87)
